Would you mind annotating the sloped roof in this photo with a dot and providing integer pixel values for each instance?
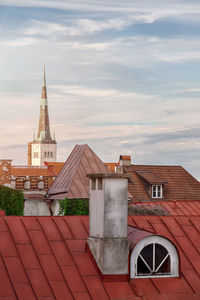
(56, 167)
(45, 258)
(180, 185)
(29, 171)
(174, 208)
(72, 182)
(150, 177)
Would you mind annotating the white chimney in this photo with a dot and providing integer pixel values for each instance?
(108, 222)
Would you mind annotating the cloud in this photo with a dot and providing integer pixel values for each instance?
(91, 92)
(192, 90)
(84, 26)
(20, 42)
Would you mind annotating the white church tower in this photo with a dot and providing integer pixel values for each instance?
(43, 148)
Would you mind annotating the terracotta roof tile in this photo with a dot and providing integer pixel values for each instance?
(84, 264)
(63, 228)
(7, 246)
(61, 291)
(49, 228)
(29, 171)
(81, 296)
(77, 227)
(6, 288)
(96, 288)
(143, 287)
(123, 290)
(52, 266)
(180, 185)
(15, 269)
(24, 291)
(40, 242)
(19, 233)
(61, 253)
(39, 283)
(172, 285)
(28, 256)
(73, 279)
(76, 245)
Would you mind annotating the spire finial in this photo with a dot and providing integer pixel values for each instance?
(44, 78)
(44, 89)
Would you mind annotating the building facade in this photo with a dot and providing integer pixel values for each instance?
(43, 147)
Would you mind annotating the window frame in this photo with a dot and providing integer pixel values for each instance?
(155, 239)
(157, 191)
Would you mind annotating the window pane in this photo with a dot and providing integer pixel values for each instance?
(93, 183)
(165, 267)
(159, 191)
(147, 254)
(160, 253)
(142, 268)
(99, 183)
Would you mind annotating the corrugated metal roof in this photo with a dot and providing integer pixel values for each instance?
(45, 258)
(72, 182)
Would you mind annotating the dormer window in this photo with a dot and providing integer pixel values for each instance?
(157, 191)
(153, 183)
(154, 256)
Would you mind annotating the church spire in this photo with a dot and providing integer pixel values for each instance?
(44, 134)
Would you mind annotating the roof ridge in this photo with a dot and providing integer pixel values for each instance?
(75, 151)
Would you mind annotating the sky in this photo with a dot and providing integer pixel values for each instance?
(122, 76)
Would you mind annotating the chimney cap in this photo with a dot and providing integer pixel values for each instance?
(125, 157)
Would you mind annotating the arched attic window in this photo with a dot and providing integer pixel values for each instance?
(154, 256)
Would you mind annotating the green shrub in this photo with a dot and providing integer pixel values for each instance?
(12, 201)
(77, 206)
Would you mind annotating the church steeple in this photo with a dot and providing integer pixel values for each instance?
(44, 134)
(43, 148)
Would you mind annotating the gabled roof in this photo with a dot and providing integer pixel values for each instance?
(179, 184)
(44, 258)
(72, 182)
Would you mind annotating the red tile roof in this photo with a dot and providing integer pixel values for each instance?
(179, 184)
(72, 182)
(54, 167)
(29, 171)
(125, 157)
(45, 258)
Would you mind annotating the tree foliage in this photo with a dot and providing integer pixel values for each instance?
(74, 207)
(12, 201)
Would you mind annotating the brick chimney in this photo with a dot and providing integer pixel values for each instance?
(125, 160)
(108, 222)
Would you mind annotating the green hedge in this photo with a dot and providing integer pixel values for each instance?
(12, 201)
(70, 207)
